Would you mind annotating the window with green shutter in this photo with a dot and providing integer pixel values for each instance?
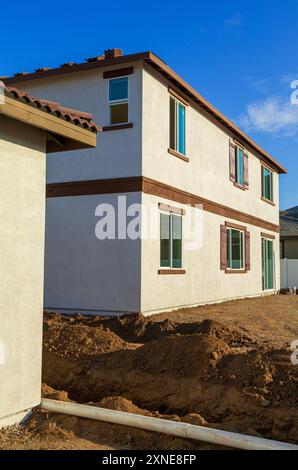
(267, 184)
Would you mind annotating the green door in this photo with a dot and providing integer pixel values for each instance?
(267, 264)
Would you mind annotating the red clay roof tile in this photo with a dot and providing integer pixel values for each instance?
(79, 118)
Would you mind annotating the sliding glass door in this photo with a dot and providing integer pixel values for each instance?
(267, 264)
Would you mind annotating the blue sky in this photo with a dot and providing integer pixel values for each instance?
(242, 56)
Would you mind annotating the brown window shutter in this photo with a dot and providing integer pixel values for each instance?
(245, 172)
(247, 251)
(232, 161)
(223, 247)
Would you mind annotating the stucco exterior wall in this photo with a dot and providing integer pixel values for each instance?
(204, 281)
(84, 273)
(207, 147)
(118, 152)
(22, 206)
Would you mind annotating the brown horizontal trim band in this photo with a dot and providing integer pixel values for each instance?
(117, 127)
(153, 61)
(93, 187)
(268, 201)
(235, 226)
(165, 191)
(236, 271)
(154, 188)
(118, 73)
(171, 271)
(178, 155)
(267, 235)
(178, 96)
(167, 208)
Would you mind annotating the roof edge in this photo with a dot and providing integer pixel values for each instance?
(154, 61)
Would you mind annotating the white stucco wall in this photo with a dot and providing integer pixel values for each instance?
(207, 147)
(118, 152)
(22, 206)
(82, 272)
(204, 281)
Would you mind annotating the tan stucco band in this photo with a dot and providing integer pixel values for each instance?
(155, 188)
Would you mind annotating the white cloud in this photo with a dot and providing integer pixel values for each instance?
(274, 115)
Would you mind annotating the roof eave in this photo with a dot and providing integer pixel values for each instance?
(64, 134)
(154, 61)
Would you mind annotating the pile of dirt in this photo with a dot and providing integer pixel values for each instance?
(207, 368)
(68, 338)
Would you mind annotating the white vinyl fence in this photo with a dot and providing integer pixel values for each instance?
(288, 273)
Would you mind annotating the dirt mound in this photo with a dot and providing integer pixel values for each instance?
(206, 368)
(121, 404)
(232, 336)
(79, 341)
(49, 392)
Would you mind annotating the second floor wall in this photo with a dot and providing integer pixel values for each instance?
(118, 152)
(205, 170)
(143, 148)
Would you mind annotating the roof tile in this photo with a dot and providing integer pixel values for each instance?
(74, 116)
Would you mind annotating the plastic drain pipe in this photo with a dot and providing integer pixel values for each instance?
(184, 430)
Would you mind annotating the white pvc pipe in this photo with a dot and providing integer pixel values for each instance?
(184, 430)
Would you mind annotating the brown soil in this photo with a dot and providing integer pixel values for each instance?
(272, 318)
(228, 375)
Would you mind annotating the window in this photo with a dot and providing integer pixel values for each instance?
(235, 249)
(170, 241)
(239, 174)
(118, 100)
(177, 126)
(239, 165)
(267, 184)
(267, 264)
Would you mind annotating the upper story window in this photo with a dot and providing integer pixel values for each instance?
(267, 184)
(177, 126)
(238, 165)
(118, 100)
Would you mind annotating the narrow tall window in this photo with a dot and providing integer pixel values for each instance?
(118, 100)
(267, 184)
(170, 240)
(235, 249)
(177, 126)
(239, 166)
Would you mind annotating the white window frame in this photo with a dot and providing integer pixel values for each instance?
(171, 214)
(115, 102)
(176, 128)
(230, 268)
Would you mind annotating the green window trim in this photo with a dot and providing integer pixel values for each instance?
(239, 166)
(170, 240)
(235, 249)
(267, 184)
(177, 126)
(268, 267)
